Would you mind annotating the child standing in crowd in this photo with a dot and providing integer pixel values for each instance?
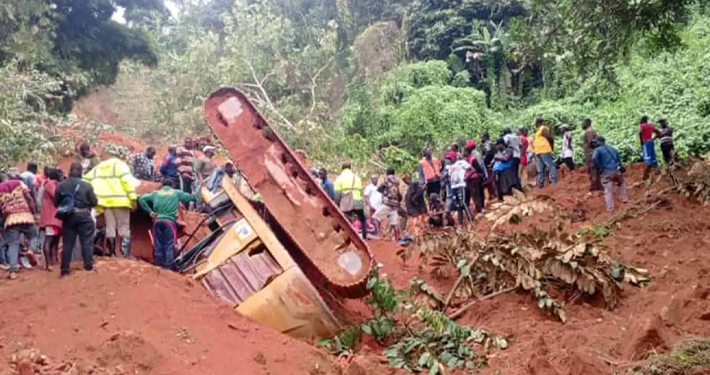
(666, 136)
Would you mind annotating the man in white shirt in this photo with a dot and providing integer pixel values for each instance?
(373, 198)
(457, 176)
(513, 142)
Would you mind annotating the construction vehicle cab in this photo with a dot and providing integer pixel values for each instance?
(244, 263)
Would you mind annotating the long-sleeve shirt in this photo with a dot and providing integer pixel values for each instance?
(327, 185)
(606, 159)
(414, 199)
(14, 204)
(165, 202)
(169, 166)
(85, 197)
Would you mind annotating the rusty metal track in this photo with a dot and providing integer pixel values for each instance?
(328, 250)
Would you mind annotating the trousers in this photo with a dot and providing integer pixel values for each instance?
(545, 163)
(608, 181)
(475, 188)
(360, 214)
(79, 224)
(13, 236)
(164, 238)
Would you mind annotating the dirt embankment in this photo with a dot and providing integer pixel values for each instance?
(131, 317)
(672, 244)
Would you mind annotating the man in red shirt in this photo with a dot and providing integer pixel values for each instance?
(646, 132)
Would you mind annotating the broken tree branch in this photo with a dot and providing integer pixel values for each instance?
(267, 100)
(463, 309)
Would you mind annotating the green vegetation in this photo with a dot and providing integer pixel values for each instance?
(368, 81)
(53, 51)
(686, 358)
(416, 338)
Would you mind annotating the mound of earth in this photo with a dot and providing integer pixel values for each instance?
(672, 243)
(133, 318)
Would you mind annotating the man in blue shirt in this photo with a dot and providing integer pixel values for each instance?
(326, 183)
(606, 160)
(169, 168)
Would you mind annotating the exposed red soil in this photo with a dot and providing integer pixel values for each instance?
(671, 244)
(146, 320)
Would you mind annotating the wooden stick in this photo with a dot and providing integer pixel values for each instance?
(463, 309)
(451, 293)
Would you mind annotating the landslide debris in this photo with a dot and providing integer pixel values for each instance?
(549, 264)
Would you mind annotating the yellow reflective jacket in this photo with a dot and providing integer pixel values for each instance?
(349, 182)
(113, 183)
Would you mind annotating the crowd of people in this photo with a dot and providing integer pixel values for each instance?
(40, 210)
(450, 191)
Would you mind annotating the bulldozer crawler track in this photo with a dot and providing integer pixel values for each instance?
(303, 210)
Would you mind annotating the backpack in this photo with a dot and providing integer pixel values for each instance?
(67, 205)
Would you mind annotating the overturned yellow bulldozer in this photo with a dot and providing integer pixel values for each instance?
(284, 262)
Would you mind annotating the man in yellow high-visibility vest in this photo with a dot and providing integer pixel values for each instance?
(115, 188)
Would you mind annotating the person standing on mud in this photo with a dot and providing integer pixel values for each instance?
(17, 207)
(348, 195)
(542, 145)
(162, 205)
(390, 206)
(87, 158)
(524, 156)
(142, 164)
(475, 176)
(606, 160)
(185, 166)
(48, 222)
(205, 165)
(430, 172)
(648, 146)
(513, 143)
(326, 183)
(666, 137)
(457, 176)
(169, 167)
(590, 135)
(503, 174)
(567, 148)
(115, 188)
(489, 153)
(78, 223)
(415, 205)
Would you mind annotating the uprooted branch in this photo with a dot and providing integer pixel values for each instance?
(537, 261)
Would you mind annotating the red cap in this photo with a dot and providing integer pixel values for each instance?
(451, 154)
(470, 143)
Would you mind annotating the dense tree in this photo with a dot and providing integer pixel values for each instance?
(593, 34)
(63, 37)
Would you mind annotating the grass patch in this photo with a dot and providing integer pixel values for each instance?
(685, 358)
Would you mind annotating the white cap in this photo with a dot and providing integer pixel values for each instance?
(208, 148)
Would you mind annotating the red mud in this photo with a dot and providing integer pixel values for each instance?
(671, 244)
(133, 315)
